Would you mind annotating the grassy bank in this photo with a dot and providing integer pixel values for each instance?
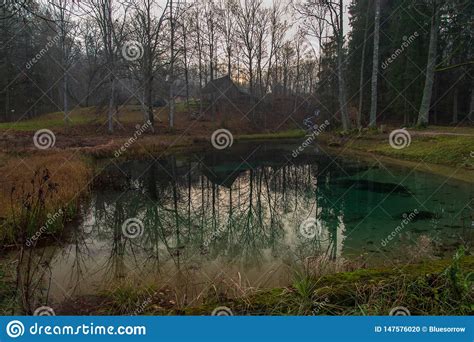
(288, 134)
(40, 192)
(429, 146)
(430, 288)
(442, 287)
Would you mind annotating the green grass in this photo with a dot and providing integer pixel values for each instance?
(289, 134)
(430, 288)
(433, 144)
(446, 129)
(448, 150)
(433, 287)
(51, 120)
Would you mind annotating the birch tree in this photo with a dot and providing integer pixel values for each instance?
(423, 113)
(375, 66)
(362, 65)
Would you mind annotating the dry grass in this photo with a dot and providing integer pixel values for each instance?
(71, 174)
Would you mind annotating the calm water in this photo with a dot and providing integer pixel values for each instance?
(233, 218)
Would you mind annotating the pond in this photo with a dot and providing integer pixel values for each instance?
(249, 216)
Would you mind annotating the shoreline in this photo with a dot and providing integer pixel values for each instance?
(341, 293)
(263, 299)
(91, 160)
(458, 174)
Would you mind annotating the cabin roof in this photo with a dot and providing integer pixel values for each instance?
(222, 83)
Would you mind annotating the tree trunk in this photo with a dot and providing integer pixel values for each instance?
(342, 90)
(229, 66)
(213, 91)
(362, 65)
(111, 105)
(199, 47)
(375, 67)
(186, 71)
(149, 69)
(471, 106)
(6, 48)
(171, 103)
(423, 114)
(455, 105)
(346, 125)
(149, 101)
(67, 120)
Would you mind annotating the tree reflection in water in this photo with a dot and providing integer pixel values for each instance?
(222, 218)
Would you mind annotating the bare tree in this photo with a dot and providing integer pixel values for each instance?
(198, 46)
(247, 23)
(210, 31)
(112, 34)
(332, 12)
(261, 33)
(185, 28)
(226, 25)
(92, 50)
(278, 29)
(177, 9)
(65, 27)
(148, 18)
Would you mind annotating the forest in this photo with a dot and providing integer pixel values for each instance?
(362, 63)
(236, 157)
